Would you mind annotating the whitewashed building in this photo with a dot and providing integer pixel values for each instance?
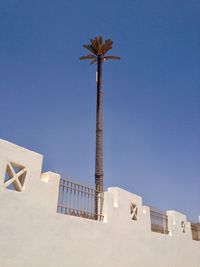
(37, 228)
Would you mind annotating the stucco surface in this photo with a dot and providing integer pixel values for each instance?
(33, 234)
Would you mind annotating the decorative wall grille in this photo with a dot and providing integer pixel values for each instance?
(15, 176)
(134, 211)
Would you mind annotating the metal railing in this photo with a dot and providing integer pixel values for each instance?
(195, 227)
(159, 221)
(79, 200)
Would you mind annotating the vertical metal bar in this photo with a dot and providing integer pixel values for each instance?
(84, 199)
(88, 201)
(65, 201)
(92, 201)
(70, 197)
(78, 200)
(74, 198)
(62, 195)
(81, 206)
(101, 203)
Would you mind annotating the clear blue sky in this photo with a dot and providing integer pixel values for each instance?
(151, 96)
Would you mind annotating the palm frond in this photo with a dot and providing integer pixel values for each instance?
(93, 61)
(94, 44)
(99, 41)
(107, 45)
(89, 56)
(90, 48)
(110, 57)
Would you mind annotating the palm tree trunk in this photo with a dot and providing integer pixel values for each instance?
(99, 136)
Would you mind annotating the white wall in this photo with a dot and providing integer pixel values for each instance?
(33, 234)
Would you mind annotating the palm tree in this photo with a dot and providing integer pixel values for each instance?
(98, 48)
